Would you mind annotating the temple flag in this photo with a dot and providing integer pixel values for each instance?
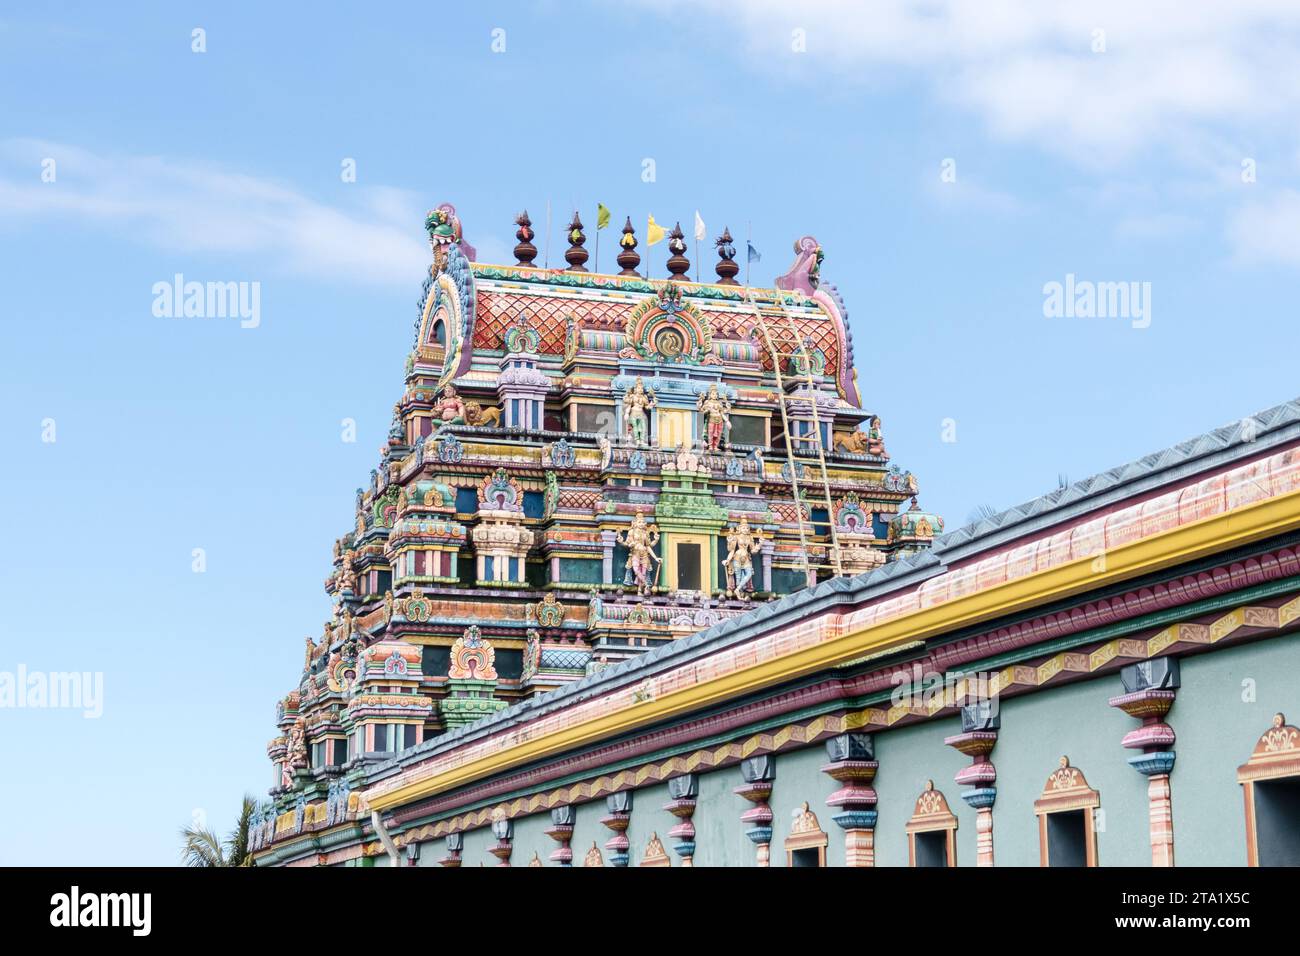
(700, 231)
(602, 216)
(653, 232)
(754, 255)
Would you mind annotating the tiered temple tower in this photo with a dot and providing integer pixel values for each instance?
(582, 467)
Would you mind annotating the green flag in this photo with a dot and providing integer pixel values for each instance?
(602, 216)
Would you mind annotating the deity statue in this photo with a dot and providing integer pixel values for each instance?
(716, 411)
(449, 409)
(636, 406)
(397, 432)
(870, 442)
(347, 576)
(742, 545)
(640, 540)
(296, 758)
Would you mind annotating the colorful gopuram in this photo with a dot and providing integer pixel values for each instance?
(635, 584)
(582, 468)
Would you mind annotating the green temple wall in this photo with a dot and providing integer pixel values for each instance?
(719, 835)
(588, 828)
(530, 837)
(1074, 721)
(1215, 716)
(474, 851)
(648, 816)
(799, 780)
(1217, 727)
(908, 757)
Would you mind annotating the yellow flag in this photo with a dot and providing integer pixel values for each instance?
(653, 232)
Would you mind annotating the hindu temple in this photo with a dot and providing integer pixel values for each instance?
(635, 581)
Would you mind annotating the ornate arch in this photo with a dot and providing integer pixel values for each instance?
(1067, 790)
(932, 814)
(1276, 755)
(806, 833)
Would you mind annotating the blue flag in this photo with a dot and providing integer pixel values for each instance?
(754, 255)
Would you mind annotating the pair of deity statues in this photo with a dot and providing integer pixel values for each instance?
(643, 564)
(714, 408)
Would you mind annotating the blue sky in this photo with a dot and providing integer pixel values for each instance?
(1118, 163)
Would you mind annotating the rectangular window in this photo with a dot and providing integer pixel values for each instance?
(688, 566)
(408, 736)
(932, 848)
(597, 419)
(1067, 838)
(1277, 821)
(748, 430)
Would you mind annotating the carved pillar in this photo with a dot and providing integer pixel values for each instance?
(769, 549)
(607, 541)
(561, 831)
(684, 791)
(504, 831)
(980, 723)
(853, 766)
(1149, 689)
(758, 773)
(619, 806)
(455, 842)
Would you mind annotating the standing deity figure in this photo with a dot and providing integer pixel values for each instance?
(716, 411)
(636, 406)
(296, 756)
(449, 409)
(640, 540)
(742, 545)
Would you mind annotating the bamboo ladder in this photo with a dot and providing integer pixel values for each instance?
(791, 452)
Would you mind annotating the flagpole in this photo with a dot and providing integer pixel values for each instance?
(546, 260)
(699, 254)
(749, 243)
(596, 269)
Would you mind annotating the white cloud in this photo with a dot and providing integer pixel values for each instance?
(375, 236)
(1267, 230)
(1171, 68)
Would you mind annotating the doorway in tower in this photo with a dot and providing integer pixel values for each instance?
(688, 566)
(688, 559)
(675, 427)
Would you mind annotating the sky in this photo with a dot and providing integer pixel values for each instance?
(175, 485)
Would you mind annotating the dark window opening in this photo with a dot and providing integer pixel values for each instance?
(1277, 821)
(688, 567)
(932, 848)
(808, 857)
(1067, 838)
(435, 660)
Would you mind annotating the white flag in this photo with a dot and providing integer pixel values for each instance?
(700, 231)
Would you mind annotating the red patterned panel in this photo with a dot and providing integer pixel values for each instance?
(497, 311)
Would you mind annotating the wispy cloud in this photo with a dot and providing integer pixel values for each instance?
(1265, 231)
(1096, 82)
(372, 235)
